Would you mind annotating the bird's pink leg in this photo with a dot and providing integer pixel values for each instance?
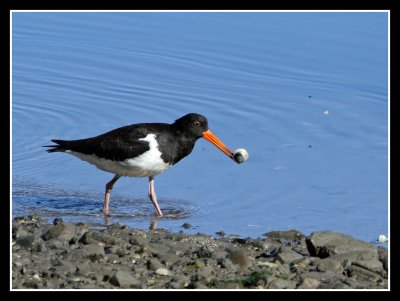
(109, 187)
(152, 195)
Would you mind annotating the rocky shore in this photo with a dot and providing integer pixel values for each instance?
(76, 256)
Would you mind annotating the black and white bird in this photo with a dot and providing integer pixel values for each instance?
(141, 150)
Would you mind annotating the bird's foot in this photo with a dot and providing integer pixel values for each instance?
(105, 212)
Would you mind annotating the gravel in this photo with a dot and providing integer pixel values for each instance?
(76, 256)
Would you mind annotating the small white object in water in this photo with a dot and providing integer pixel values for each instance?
(326, 112)
(240, 155)
(382, 238)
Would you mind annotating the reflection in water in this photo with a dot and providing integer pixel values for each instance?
(51, 202)
(153, 221)
(106, 219)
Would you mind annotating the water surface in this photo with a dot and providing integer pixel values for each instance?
(305, 93)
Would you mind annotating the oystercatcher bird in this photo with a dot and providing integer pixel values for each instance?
(141, 150)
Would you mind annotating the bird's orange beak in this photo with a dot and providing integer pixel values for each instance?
(208, 135)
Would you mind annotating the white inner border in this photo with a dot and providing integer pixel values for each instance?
(185, 11)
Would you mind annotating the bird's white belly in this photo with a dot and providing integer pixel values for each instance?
(147, 164)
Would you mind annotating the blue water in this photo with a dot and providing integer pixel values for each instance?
(305, 93)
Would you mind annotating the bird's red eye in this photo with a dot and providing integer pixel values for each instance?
(197, 123)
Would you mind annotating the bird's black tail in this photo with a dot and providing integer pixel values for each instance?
(61, 147)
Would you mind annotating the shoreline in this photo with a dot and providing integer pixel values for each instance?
(65, 255)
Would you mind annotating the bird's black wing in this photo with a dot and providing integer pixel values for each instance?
(119, 144)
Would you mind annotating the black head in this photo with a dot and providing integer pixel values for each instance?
(196, 126)
(193, 124)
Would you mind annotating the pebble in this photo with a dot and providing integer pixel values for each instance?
(162, 272)
(124, 279)
(309, 283)
(288, 256)
(330, 265)
(186, 226)
(77, 256)
(240, 258)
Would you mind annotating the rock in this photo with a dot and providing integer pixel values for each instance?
(270, 251)
(33, 243)
(138, 241)
(333, 284)
(287, 235)
(80, 230)
(203, 252)
(32, 283)
(92, 252)
(186, 226)
(320, 276)
(18, 232)
(351, 256)
(373, 265)
(205, 274)
(118, 250)
(197, 285)
(197, 264)
(153, 264)
(309, 283)
(367, 258)
(58, 244)
(169, 259)
(94, 237)
(263, 245)
(301, 248)
(61, 268)
(62, 231)
(219, 254)
(239, 240)
(176, 236)
(329, 264)
(28, 241)
(283, 269)
(287, 257)
(240, 258)
(362, 273)
(162, 272)
(119, 257)
(30, 219)
(300, 265)
(281, 284)
(183, 280)
(383, 257)
(226, 263)
(125, 279)
(268, 264)
(174, 285)
(324, 244)
(151, 250)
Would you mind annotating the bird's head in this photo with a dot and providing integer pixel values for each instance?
(196, 126)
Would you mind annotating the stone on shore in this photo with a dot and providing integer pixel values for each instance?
(76, 256)
(125, 279)
(324, 244)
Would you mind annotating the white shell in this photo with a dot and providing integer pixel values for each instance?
(243, 154)
(382, 238)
